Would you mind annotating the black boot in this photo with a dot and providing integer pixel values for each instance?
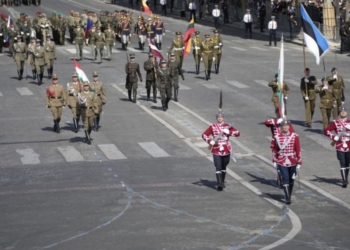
(286, 193)
(343, 176)
(291, 185)
(77, 120)
(206, 75)
(148, 94)
(347, 174)
(19, 75)
(143, 46)
(163, 105)
(154, 95)
(140, 45)
(58, 129)
(217, 70)
(219, 180)
(129, 94)
(167, 102)
(51, 70)
(41, 78)
(209, 71)
(88, 141)
(134, 93)
(34, 74)
(75, 125)
(197, 69)
(95, 123)
(223, 175)
(160, 46)
(54, 126)
(175, 94)
(89, 132)
(48, 74)
(98, 122)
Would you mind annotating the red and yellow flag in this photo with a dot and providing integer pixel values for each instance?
(187, 37)
(146, 8)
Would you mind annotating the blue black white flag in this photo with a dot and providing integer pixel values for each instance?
(315, 42)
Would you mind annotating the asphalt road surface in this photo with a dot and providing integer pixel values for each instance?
(147, 181)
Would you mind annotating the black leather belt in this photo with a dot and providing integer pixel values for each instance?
(55, 97)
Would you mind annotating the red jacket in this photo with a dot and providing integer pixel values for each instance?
(343, 144)
(272, 123)
(286, 149)
(223, 145)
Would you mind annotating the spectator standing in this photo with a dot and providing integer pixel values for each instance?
(224, 7)
(192, 7)
(201, 8)
(272, 30)
(262, 15)
(292, 24)
(216, 16)
(248, 19)
(343, 36)
(163, 4)
(172, 5)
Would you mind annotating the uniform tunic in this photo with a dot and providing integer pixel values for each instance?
(150, 66)
(287, 151)
(338, 93)
(274, 99)
(56, 98)
(175, 70)
(50, 53)
(39, 53)
(164, 82)
(274, 126)
(197, 52)
(326, 103)
(178, 46)
(73, 89)
(20, 51)
(100, 92)
(88, 108)
(308, 89)
(133, 73)
(217, 42)
(207, 48)
(31, 56)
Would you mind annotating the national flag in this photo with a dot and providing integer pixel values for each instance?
(315, 42)
(88, 28)
(187, 37)
(155, 51)
(81, 75)
(6, 41)
(146, 8)
(280, 89)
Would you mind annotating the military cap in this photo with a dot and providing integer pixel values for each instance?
(284, 122)
(248, 10)
(38, 13)
(216, 31)
(197, 32)
(164, 61)
(172, 54)
(307, 69)
(19, 37)
(334, 68)
(48, 35)
(149, 19)
(207, 36)
(140, 17)
(95, 73)
(178, 33)
(43, 14)
(150, 54)
(108, 25)
(132, 55)
(85, 83)
(342, 108)
(220, 113)
(33, 38)
(54, 76)
(38, 40)
(74, 74)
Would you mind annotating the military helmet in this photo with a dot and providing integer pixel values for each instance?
(220, 113)
(342, 108)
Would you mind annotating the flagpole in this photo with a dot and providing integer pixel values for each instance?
(304, 64)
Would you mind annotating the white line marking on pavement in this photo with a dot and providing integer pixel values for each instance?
(293, 82)
(226, 41)
(111, 151)
(24, 91)
(238, 84)
(322, 140)
(168, 31)
(210, 85)
(73, 51)
(258, 48)
(1, 94)
(278, 48)
(181, 86)
(29, 156)
(262, 82)
(237, 48)
(115, 51)
(70, 154)
(153, 149)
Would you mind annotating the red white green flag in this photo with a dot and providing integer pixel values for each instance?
(81, 75)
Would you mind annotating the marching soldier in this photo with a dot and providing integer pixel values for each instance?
(61, 29)
(20, 51)
(217, 42)
(141, 31)
(44, 26)
(175, 71)
(164, 84)
(71, 26)
(178, 46)
(2, 36)
(39, 54)
(151, 29)
(99, 41)
(87, 102)
(110, 41)
(307, 87)
(207, 48)
(12, 33)
(73, 89)
(132, 70)
(217, 136)
(25, 31)
(50, 55)
(31, 57)
(326, 102)
(79, 35)
(274, 86)
(197, 52)
(125, 33)
(151, 66)
(287, 157)
(101, 98)
(55, 100)
(91, 41)
(338, 91)
(341, 140)
(159, 31)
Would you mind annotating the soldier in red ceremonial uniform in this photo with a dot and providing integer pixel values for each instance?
(341, 140)
(220, 146)
(287, 157)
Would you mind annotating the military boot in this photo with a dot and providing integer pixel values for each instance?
(209, 71)
(134, 93)
(95, 123)
(154, 95)
(58, 129)
(77, 120)
(217, 70)
(140, 45)
(98, 121)
(41, 78)
(34, 74)
(148, 94)
(163, 105)
(346, 174)
(291, 185)
(19, 75)
(206, 75)
(343, 176)
(75, 125)
(88, 141)
(167, 102)
(197, 69)
(48, 74)
(129, 94)
(287, 193)
(54, 126)
(219, 180)
(223, 175)
(89, 132)
(175, 94)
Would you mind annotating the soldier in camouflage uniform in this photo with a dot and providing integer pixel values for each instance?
(338, 91)
(178, 46)
(151, 66)
(164, 80)
(101, 98)
(274, 86)
(61, 29)
(217, 42)
(132, 70)
(307, 88)
(197, 52)
(25, 30)
(175, 71)
(326, 100)
(73, 89)
(207, 48)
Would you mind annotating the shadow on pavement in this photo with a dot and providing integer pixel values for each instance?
(333, 181)
(206, 183)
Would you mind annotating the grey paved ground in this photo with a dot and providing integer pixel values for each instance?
(165, 198)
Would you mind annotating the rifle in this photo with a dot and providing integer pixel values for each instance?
(340, 134)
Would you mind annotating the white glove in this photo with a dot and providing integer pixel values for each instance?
(342, 103)
(220, 44)
(286, 97)
(334, 104)
(306, 98)
(213, 59)
(325, 87)
(306, 80)
(212, 143)
(0, 34)
(336, 138)
(226, 131)
(347, 126)
(275, 165)
(201, 57)
(22, 32)
(279, 120)
(335, 77)
(298, 167)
